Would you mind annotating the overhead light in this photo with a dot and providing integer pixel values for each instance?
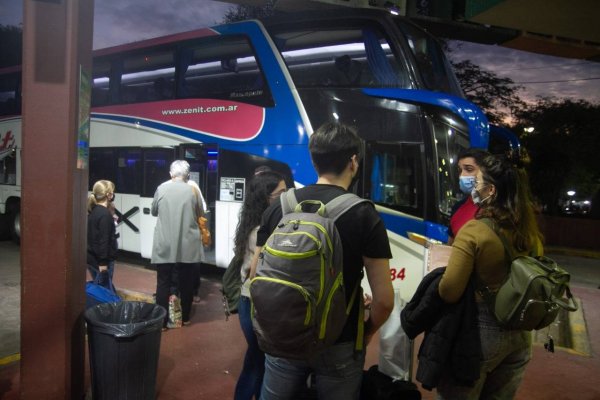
(392, 8)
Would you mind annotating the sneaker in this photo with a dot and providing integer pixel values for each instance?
(186, 323)
(197, 299)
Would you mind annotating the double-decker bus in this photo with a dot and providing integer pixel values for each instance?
(237, 96)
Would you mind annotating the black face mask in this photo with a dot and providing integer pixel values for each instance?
(113, 198)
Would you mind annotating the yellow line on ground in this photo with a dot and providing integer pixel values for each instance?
(10, 359)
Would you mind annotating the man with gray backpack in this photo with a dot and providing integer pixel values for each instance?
(309, 314)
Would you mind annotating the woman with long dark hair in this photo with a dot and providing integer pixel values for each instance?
(264, 188)
(503, 195)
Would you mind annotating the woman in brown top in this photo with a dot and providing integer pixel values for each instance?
(502, 192)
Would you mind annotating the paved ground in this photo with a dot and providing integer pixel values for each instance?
(203, 360)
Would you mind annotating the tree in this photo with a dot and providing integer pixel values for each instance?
(491, 93)
(243, 12)
(563, 149)
(11, 45)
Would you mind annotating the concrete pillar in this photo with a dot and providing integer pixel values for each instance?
(57, 43)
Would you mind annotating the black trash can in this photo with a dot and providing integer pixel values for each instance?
(124, 346)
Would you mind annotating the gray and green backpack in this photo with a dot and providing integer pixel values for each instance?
(299, 304)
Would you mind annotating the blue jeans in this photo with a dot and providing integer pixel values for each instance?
(338, 371)
(250, 381)
(505, 356)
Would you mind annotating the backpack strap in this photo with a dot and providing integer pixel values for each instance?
(288, 201)
(335, 209)
(507, 248)
(481, 286)
(338, 206)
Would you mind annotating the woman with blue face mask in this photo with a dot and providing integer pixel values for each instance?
(478, 255)
(464, 211)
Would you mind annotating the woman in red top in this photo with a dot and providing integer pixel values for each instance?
(465, 210)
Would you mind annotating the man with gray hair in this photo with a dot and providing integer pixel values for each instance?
(176, 249)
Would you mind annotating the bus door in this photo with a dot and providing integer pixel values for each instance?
(394, 180)
(156, 163)
(203, 160)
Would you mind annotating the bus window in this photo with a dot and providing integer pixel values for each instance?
(448, 145)
(156, 168)
(8, 167)
(433, 67)
(10, 102)
(348, 57)
(148, 76)
(394, 176)
(101, 83)
(103, 165)
(120, 165)
(223, 68)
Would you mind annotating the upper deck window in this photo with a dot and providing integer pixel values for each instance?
(214, 67)
(431, 63)
(223, 67)
(342, 57)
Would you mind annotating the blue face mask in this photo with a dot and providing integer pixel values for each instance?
(466, 183)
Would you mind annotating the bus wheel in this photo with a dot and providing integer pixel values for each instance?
(14, 224)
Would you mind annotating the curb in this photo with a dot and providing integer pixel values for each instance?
(10, 359)
(578, 331)
(572, 252)
(130, 295)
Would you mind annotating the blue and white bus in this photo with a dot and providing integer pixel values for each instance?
(236, 96)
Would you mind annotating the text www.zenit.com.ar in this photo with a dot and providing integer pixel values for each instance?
(200, 110)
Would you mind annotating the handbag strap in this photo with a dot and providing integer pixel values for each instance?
(111, 287)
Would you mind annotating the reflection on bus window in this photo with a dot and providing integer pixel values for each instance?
(10, 101)
(156, 169)
(148, 76)
(336, 57)
(223, 68)
(396, 176)
(123, 166)
(216, 68)
(448, 145)
(432, 65)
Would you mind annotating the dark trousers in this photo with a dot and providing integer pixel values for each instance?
(177, 279)
(196, 279)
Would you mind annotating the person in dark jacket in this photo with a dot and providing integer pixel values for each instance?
(102, 237)
(451, 335)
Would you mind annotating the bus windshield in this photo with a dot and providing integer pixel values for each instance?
(432, 66)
